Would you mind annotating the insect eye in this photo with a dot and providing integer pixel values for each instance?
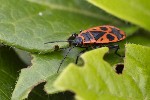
(74, 34)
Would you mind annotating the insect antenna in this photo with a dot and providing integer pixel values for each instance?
(64, 58)
(59, 41)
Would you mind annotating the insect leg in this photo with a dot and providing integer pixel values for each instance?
(116, 47)
(80, 54)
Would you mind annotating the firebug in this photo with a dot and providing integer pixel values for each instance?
(94, 37)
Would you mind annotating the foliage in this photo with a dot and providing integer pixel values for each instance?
(96, 79)
(25, 27)
(136, 11)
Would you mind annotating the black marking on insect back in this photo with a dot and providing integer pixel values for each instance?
(87, 36)
(117, 33)
(103, 28)
(101, 39)
(97, 34)
(94, 33)
(110, 37)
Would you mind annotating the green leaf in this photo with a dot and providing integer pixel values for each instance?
(96, 79)
(24, 56)
(43, 68)
(27, 25)
(134, 11)
(9, 65)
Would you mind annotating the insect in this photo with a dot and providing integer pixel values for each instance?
(95, 37)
